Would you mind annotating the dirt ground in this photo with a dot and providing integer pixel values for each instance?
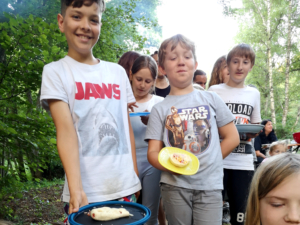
(38, 206)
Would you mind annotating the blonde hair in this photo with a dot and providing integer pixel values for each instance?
(275, 143)
(175, 40)
(216, 77)
(268, 176)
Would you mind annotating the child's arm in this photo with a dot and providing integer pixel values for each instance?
(133, 152)
(132, 142)
(154, 147)
(67, 146)
(231, 138)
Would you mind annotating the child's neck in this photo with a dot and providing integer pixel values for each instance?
(142, 99)
(234, 84)
(181, 91)
(162, 82)
(86, 58)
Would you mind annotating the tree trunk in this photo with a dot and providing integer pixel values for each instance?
(270, 66)
(287, 70)
(297, 119)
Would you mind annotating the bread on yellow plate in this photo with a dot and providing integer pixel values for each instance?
(180, 159)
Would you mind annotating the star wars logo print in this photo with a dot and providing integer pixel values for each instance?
(189, 128)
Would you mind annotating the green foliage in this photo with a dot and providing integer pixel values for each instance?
(26, 132)
(145, 17)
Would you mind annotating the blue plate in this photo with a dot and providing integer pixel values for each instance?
(249, 128)
(139, 114)
(141, 214)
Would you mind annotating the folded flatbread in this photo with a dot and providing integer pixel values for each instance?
(107, 213)
(180, 159)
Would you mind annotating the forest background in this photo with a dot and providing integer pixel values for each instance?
(29, 39)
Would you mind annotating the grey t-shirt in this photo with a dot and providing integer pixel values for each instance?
(191, 122)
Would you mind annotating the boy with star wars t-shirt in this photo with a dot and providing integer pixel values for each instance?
(191, 120)
(244, 103)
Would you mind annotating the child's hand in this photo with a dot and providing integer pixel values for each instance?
(251, 135)
(145, 118)
(77, 200)
(137, 195)
(131, 105)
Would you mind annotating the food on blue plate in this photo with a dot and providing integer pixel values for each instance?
(107, 213)
(180, 159)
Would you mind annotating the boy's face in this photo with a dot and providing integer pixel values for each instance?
(81, 27)
(201, 80)
(238, 68)
(180, 66)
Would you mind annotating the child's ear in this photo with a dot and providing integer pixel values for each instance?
(162, 70)
(196, 65)
(60, 20)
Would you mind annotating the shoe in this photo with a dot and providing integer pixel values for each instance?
(226, 213)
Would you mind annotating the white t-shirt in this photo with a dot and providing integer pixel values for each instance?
(244, 103)
(138, 127)
(99, 113)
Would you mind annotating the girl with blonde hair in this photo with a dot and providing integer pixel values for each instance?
(274, 197)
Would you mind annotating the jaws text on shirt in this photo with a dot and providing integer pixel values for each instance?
(97, 91)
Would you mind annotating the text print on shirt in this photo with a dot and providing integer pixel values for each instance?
(243, 109)
(96, 91)
(189, 128)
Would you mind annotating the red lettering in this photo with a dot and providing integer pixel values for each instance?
(99, 90)
(80, 92)
(90, 91)
(107, 90)
(116, 90)
(96, 91)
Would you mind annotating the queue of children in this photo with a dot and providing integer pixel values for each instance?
(108, 156)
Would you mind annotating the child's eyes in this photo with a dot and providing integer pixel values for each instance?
(75, 17)
(95, 21)
(276, 205)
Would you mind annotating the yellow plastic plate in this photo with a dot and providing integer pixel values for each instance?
(190, 169)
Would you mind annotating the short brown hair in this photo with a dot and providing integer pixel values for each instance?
(175, 40)
(242, 50)
(78, 4)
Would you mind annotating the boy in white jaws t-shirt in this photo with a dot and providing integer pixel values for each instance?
(187, 115)
(244, 103)
(88, 100)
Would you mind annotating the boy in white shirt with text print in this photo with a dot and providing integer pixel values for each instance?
(88, 99)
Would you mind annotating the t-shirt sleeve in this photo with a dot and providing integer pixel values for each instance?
(155, 126)
(52, 86)
(256, 117)
(130, 96)
(223, 114)
(257, 143)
